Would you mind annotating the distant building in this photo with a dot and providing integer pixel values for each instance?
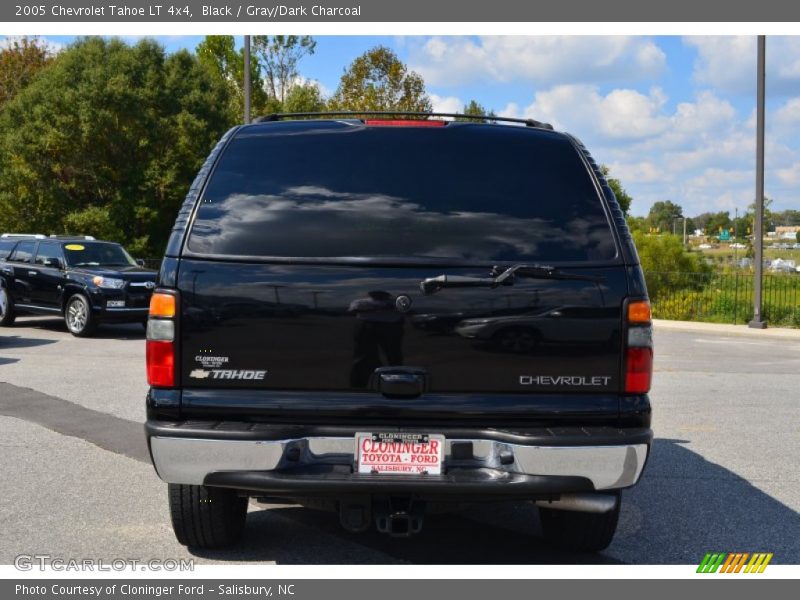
(787, 232)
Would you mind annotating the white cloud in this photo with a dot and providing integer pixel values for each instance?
(728, 63)
(620, 115)
(646, 171)
(446, 104)
(541, 59)
(698, 153)
(787, 116)
(323, 90)
(790, 175)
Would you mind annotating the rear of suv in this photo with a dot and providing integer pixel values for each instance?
(390, 316)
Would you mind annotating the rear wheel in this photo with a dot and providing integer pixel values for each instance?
(206, 517)
(78, 316)
(579, 531)
(7, 314)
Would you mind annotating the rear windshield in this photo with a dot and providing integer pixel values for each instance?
(465, 192)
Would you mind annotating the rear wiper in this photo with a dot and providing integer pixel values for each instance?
(500, 276)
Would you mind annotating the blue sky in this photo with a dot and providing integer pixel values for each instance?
(673, 117)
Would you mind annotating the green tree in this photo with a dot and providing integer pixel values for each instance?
(305, 97)
(662, 214)
(718, 222)
(636, 223)
(622, 195)
(476, 109)
(379, 81)
(107, 140)
(20, 60)
(218, 53)
(663, 255)
(279, 56)
(788, 217)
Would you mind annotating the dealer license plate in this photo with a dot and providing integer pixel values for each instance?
(403, 453)
(115, 304)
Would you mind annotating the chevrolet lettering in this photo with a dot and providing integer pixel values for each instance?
(563, 380)
(468, 326)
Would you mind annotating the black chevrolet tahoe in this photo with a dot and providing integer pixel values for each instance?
(392, 314)
(86, 281)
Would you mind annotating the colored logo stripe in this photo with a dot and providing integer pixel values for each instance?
(711, 562)
(733, 562)
(758, 563)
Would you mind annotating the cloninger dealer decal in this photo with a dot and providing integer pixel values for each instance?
(211, 368)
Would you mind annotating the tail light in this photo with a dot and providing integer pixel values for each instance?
(638, 348)
(161, 340)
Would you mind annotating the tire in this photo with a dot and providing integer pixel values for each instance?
(7, 313)
(78, 316)
(206, 517)
(579, 531)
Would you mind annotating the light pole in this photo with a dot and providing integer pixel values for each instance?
(758, 227)
(247, 83)
(674, 229)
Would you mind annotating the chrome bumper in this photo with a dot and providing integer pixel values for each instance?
(190, 460)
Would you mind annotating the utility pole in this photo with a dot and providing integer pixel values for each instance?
(684, 232)
(758, 226)
(247, 84)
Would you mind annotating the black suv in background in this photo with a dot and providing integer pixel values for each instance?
(87, 281)
(390, 316)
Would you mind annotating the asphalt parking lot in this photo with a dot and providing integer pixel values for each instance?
(77, 483)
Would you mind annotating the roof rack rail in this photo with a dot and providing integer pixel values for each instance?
(14, 236)
(389, 113)
(72, 237)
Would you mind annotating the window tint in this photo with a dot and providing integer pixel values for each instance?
(23, 252)
(5, 248)
(462, 192)
(48, 253)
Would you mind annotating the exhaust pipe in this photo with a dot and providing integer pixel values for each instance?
(589, 503)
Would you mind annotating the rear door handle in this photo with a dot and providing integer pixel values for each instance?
(397, 382)
(32, 273)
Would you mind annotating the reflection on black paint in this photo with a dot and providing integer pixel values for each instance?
(378, 329)
(276, 193)
(568, 329)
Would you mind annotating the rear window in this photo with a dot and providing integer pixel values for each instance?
(464, 192)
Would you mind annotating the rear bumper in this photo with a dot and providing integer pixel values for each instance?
(477, 462)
